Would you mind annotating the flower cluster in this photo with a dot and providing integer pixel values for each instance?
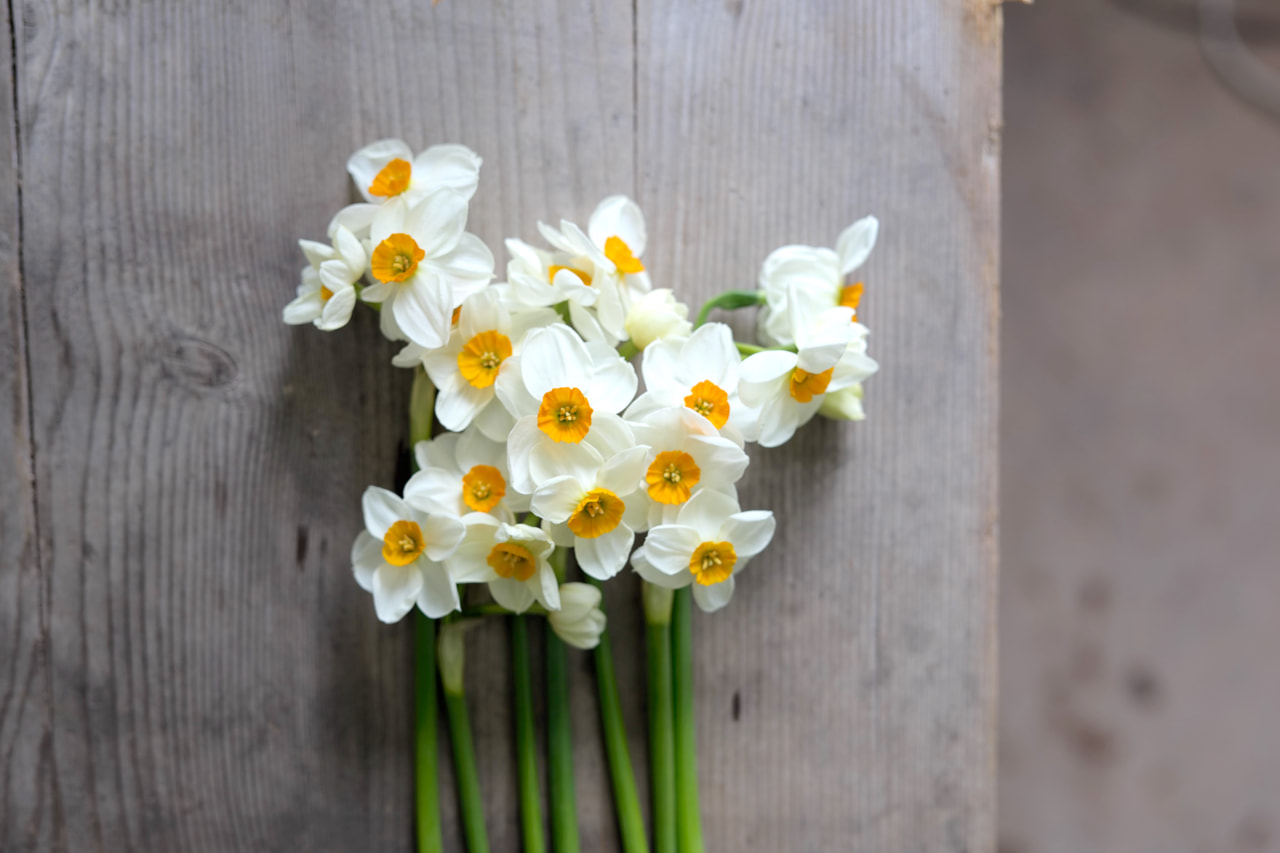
(549, 447)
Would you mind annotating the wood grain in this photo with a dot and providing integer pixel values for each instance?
(212, 678)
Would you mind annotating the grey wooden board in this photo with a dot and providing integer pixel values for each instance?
(213, 678)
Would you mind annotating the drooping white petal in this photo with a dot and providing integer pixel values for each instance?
(395, 588)
(439, 594)
(337, 311)
(678, 580)
(779, 419)
(512, 594)
(760, 373)
(423, 309)
(304, 309)
(458, 403)
(605, 555)
(712, 598)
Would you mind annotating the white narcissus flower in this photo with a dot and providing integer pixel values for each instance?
(540, 278)
(425, 265)
(465, 369)
(462, 473)
(701, 373)
(564, 393)
(587, 507)
(327, 292)
(399, 557)
(686, 455)
(388, 169)
(511, 559)
(657, 316)
(710, 542)
(789, 387)
(580, 620)
(818, 272)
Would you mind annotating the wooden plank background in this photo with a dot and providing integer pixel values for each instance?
(185, 662)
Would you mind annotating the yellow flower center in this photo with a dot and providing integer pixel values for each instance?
(709, 400)
(565, 415)
(712, 562)
(403, 543)
(620, 253)
(483, 487)
(392, 180)
(396, 258)
(850, 296)
(598, 512)
(672, 476)
(325, 294)
(805, 386)
(479, 358)
(510, 560)
(582, 276)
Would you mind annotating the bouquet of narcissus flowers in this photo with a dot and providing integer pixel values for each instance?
(553, 447)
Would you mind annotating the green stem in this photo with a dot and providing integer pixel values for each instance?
(730, 300)
(526, 746)
(470, 801)
(627, 349)
(422, 399)
(661, 740)
(748, 349)
(625, 797)
(688, 813)
(564, 806)
(427, 791)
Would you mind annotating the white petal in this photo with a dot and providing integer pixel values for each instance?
(350, 250)
(436, 222)
(556, 499)
(663, 361)
(779, 418)
(613, 379)
(712, 598)
(456, 167)
(337, 311)
(604, 556)
(381, 510)
(669, 547)
(640, 562)
(618, 216)
(706, 511)
(511, 391)
(554, 357)
(356, 218)
(395, 588)
(749, 532)
(388, 218)
(856, 242)
(439, 594)
(512, 594)
(424, 310)
(623, 473)
(469, 563)
(439, 452)
(457, 409)
(366, 557)
(482, 312)
(468, 266)
(494, 421)
(442, 534)
(304, 309)
(711, 354)
(720, 460)
(434, 491)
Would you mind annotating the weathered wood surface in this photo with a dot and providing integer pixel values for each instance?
(189, 665)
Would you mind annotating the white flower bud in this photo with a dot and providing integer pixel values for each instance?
(844, 405)
(579, 621)
(655, 316)
(451, 653)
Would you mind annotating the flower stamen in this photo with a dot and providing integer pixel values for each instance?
(396, 258)
(672, 476)
(565, 415)
(480, 358)
(483, 487)
(709, 400)
(616, 250)
(713, 562)
(403, 543)
(599, 512)
(510, 560)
